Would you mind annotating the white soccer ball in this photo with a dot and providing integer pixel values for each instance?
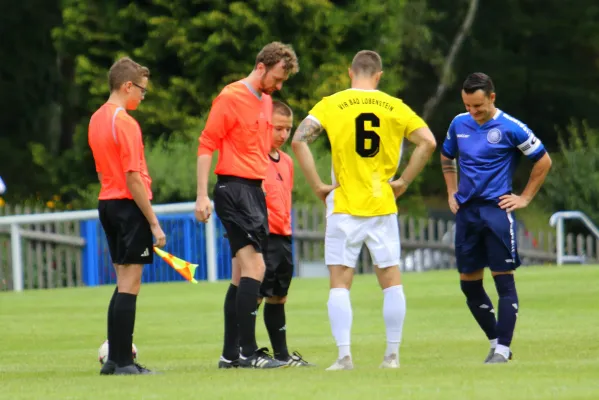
(103, 352)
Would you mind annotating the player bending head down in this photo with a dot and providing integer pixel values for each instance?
(239, 126)
(488, 143)
(124, 205)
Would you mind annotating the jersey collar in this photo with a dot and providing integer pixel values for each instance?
(251, 89)
(364, 90)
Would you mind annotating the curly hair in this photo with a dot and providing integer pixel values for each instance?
(274, 52)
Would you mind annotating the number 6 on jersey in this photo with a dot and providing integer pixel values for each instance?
(367, 142)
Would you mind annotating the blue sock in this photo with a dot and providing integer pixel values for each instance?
(508, 308)
(480, 306)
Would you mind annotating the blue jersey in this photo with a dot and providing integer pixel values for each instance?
(488, 154)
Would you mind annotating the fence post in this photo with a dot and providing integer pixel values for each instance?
(210, 230)
(560, 241)
(17, 258)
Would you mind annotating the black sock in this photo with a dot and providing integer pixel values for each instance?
(274, 319)
(480, 306)
(255, 317)
(247, 298)
(231, 340)
(124, 320)
(508, 308)
(112, 340)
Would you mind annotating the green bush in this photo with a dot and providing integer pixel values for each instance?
(573, 182)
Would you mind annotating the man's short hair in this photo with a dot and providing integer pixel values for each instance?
(278, 107)
(125, 70)
(366, 63)
(274, 52)
(478, 81)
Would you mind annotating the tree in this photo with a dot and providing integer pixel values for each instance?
(447, 74)
(572, 183)
(193, 49)
(29, 87)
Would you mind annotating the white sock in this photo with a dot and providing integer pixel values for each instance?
(503, 350)
(394, 313)
(340, 317)
(344, 351)
(493, 343)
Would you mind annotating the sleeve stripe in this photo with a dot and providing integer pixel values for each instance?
(116, 112)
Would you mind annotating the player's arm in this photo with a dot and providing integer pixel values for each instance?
(450, 173)
(537, 177)
(203, 173)
(449, 167)
(425, 143)
(307, 132)
(210, 140)
(140, 196)
(130, 149)
(532, 148)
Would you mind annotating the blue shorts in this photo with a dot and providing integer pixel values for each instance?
(485, 236)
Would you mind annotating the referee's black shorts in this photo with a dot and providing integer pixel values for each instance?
(279, 266)
(240, 205)
(127, 231)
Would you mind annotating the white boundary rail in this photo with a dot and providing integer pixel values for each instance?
(557, 221)
(16, 233)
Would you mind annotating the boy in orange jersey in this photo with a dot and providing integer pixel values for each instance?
(239, 126)
(124, 205)
(278, 256)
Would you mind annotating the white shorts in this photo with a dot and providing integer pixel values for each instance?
(345, 234)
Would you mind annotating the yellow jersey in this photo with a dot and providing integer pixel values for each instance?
(366, 129)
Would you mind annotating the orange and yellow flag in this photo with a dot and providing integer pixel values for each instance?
(186, 269)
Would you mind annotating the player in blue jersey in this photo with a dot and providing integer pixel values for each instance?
(488, 144)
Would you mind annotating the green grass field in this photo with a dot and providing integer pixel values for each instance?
(49, 341)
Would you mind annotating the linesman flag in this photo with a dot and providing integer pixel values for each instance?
(186, 269)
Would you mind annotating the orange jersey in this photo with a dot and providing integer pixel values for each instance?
(240, 127)
(278, 186)
(114, 137)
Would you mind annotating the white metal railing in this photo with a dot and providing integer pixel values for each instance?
(557, 221)
(16, 234)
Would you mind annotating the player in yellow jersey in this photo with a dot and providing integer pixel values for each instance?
(366, 128)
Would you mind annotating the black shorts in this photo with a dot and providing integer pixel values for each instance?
(127, 231)
(279, 266)
(240, 205)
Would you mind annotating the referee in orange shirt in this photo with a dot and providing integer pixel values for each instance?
(124, 205)
(239, 126)
(278, 256)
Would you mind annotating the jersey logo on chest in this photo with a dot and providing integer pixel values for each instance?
(494, 136)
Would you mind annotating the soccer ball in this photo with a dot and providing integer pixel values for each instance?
(103, 352)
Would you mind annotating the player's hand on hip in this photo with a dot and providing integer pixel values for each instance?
(399, 187)
(453, 204)
(159, 235)
(203, 208)
(323, 191)
(511, 202)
